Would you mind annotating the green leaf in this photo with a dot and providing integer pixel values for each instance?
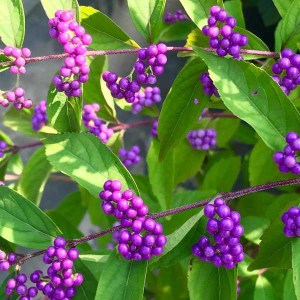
(22, 223)
(122, 279)
(198, 10)
(254, 227)
(147, 17)
(64, 113)
(96, 91)
(161, 174)
(186, 168)
(177, 31)
(289, 29)
(106, 34)
(205, 281)
(234, 8)
(84, 158)
(87, 289)
(228, 168)
(73, 208)
(253, 96)
(263, 289)
(34, 177)
(52, 6)
(12, 23)
(296, 265)
(288, 288)
(179, 111)
(283, 6)
(19, 120)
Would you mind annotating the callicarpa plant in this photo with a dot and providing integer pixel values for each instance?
(216, 212)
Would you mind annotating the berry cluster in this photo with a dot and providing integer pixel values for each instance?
(291, 221)
(131, 157)
(178, 16)
(3, 147)
(39, 117)
(154, 129)
(18, 285)
(287, 160)
(143, 237)
(75, 41)
(223, 39)
(18, 56)
(208, 85)
(60, 281)
(17, 97)
(202, 139)
(287, 70)
(7, 260)
(224, 225)
(146, 98)
(95, 124)
(150, 62)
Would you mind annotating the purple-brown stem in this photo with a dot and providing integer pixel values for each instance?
(126, 51)
(226, 196)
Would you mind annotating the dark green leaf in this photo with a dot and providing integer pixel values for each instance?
(34, 177)
(296, 265)
(263, 289)
(147, 17)
(122, 279)
(234, 8)
(254, 227)
(177, 31)
(12, 22)
(23, 223)
(96, 91)
(179, 111)
(83, 157)
(228, 168)
(106, 34)
(161, 174)
(205, 281)
(52, 6)
(283, 6)
(253, 96)
(73, 208)
(288, 288)
(64, 113)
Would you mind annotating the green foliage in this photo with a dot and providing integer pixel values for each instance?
(263, 289)
(52, 6)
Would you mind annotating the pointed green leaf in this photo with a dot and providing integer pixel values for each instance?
(89, 162)
(234, 8)
(253, 96)
(288, 288)
(283, 6)
(22, 223)
(263, 289)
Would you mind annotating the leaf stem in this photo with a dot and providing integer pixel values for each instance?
(126, 51)
(226, 196)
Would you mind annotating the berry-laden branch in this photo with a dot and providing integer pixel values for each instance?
(126, 51)
(226, 196)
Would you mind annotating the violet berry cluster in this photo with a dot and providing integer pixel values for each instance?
(223, 249)
(39, 117)
(75, 41)
(3, 147)
(17, 98)
(19, 58)
(131, 157)
(95, 124)
(150, 63)
(287, 70)
(203, 139)
(172, 18)
(148, 97)
(219, 29)
(291, 221)
(18, 285)
(208, 85)
(287, 159)
(60, 281)
(141, 237)
(154, 129)
(7, 260)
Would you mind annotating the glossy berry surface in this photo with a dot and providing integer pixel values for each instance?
(208, 85)
(202, 139)
(131, 157)
(39, 117)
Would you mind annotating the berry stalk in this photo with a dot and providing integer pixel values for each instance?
(226, 196)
